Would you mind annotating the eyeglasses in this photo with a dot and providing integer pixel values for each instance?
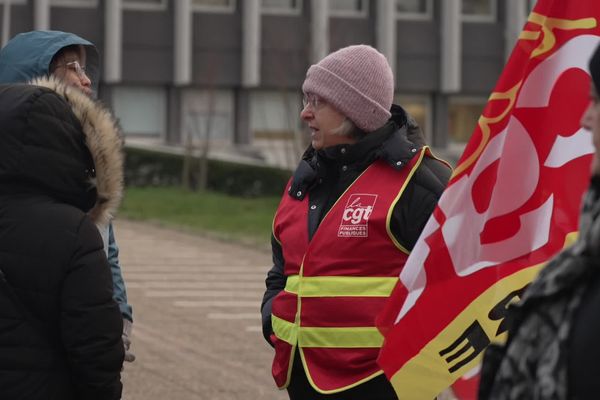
(75, 66)
(315, 101)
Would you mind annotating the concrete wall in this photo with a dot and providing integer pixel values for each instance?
(147, 47)
(216, 59)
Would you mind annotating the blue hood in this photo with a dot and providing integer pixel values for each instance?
(28, 55)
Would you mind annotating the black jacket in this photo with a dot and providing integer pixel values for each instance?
(324, 176)
(60, 329)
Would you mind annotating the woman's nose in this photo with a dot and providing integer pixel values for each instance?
(85, 80)
(306, 112)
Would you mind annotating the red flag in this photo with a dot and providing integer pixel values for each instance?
(512, 203)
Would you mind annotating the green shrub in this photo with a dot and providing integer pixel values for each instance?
(245, 220)
(154, 168)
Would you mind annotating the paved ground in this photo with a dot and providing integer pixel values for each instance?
(196, 306)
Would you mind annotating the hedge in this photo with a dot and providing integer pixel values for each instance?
(154, 168)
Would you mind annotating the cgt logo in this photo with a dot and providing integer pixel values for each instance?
(356, 215)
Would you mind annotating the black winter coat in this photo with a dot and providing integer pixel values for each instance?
(60, 329)
(324, 175)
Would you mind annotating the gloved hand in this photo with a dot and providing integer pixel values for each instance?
(127, 327)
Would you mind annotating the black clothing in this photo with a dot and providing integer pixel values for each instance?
(42, 148)
(378, 388)
(583, 347)
(60, 329)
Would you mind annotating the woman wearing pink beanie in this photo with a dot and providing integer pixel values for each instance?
(351, 213)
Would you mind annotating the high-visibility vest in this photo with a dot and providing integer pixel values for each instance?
(339, 281)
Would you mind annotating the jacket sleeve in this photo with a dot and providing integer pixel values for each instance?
(418, 201)
(91, 323)
(275, 283)
(119, 289)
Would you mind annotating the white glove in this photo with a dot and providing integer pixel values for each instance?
(127, 327)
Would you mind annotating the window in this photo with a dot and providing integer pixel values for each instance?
(276, 127)
(414, 9)
(207, 114)
(419, 108)
(274, 115)
(281, 6)
(348, 8)
(74, 3)
(141, 110)
(479, 10)
(464, 114)
(213, 5)
(159, 5)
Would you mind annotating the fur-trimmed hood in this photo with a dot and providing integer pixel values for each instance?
(60, 142)
(104, 141)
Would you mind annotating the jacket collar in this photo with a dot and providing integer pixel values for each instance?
(389, 143)
(396, 143)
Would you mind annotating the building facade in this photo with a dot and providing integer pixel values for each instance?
(229, 72)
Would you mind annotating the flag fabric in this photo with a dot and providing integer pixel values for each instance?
(511, 204)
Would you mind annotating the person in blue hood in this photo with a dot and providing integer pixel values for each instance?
(74, 61)
(34, 54)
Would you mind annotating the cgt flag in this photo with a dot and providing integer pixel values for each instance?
(512, 203)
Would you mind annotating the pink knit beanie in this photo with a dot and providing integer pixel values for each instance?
(358, 82)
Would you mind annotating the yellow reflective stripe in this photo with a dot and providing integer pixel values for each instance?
(338, 286)
(284, 330)
(364, 336)
(291, 284)
(339, 337)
